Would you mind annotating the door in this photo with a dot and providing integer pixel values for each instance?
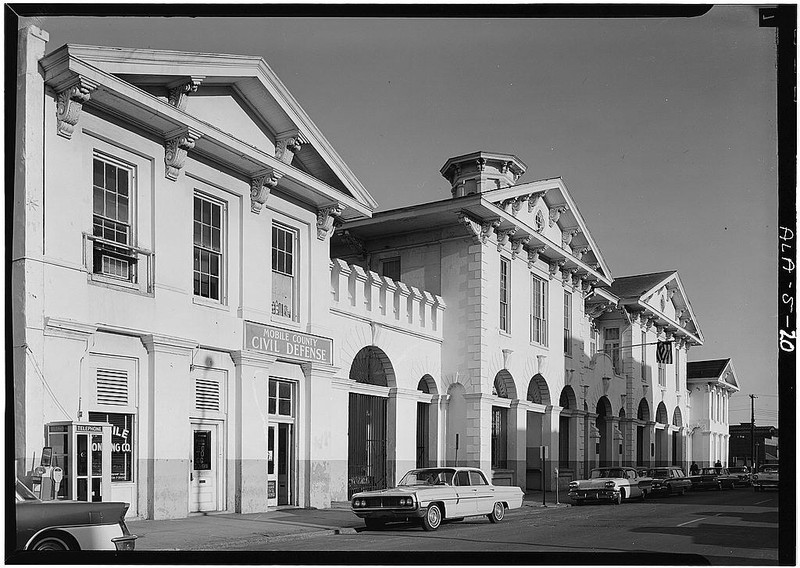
(366, 458)
(466, 496)
(89, 467)
(205, 467)
(484, 493)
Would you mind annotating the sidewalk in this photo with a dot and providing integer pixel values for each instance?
(211, 531)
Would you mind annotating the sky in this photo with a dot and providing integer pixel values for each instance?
(663, 130)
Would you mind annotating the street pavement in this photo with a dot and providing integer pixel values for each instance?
(714, 527)
(215, 531)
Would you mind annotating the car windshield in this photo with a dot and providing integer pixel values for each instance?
(738, 470)
(600, 473)
(427, 477)
(23, 493)
(769, 468)
(659, 473)
(710, 470)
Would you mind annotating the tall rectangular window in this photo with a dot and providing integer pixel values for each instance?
(611, 346)
(538, 310)
(208, 220)
(505, 296)
(283, 273)
(662, 375)
(390, 268)
(594, 339)
(644, 355)
(111, 222)
(677, 371)
(567, 324)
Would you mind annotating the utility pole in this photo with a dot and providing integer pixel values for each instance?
(753, 430)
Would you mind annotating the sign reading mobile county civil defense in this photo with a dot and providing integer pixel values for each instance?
(287, 343)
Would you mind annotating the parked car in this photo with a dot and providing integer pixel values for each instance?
(710, 478)
(766, 477)
(430, 495)
(740, 475)
(670, 480)
(70, 525)
(614, 484)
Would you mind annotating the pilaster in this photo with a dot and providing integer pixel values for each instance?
(168, 478)
(250, 430)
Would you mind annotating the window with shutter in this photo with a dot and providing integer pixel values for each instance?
(112, 387)
(207, 395)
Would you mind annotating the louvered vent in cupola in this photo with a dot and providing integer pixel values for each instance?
(112, 387)
(206, 394)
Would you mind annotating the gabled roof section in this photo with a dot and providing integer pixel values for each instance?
(675, 314)
(716, 371)
(555, 194)
(638, 286)
(128, 76)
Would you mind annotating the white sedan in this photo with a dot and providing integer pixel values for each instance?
(613, 484)
(430, 495)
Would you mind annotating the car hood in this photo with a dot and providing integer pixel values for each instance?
(597, 483)
(410, 490)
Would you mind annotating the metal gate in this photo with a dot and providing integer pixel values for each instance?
(366, 456)
(422, 433)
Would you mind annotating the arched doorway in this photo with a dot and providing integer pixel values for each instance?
(428, 386)
(662, 431)
(367, 422)
(569, 404)
(677, 438)
(503, 387)
(642, 445)
(536, 433)
(603, 424)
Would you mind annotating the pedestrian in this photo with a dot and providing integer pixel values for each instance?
(694, 469)
(718, 464)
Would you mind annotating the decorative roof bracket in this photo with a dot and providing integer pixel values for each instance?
(555, 213)
(326, 217)
(261, 185)
(69, 102)
(555, 265)
(503, 235)
(288, 144)
(176, 147)
(178, 91)
(533, 254)
(517, 244)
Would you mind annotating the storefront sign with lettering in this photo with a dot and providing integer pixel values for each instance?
(288, 343)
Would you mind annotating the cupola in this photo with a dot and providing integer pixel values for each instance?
(479, 172)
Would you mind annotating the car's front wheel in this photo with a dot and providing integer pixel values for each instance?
(432, 518)
(498, 512)
(618, 498)
(53, 542)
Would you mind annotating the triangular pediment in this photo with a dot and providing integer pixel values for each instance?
(237, 95)
(548, 207)
(660, 293)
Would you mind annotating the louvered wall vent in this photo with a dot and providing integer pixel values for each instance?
(207, 394)
(112, 387)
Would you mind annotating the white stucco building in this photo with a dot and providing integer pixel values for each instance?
(711, 384)
(172, 277)
(208, 316)
(541, 345)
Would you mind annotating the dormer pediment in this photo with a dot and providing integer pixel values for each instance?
(547, 207)
(662, 299)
